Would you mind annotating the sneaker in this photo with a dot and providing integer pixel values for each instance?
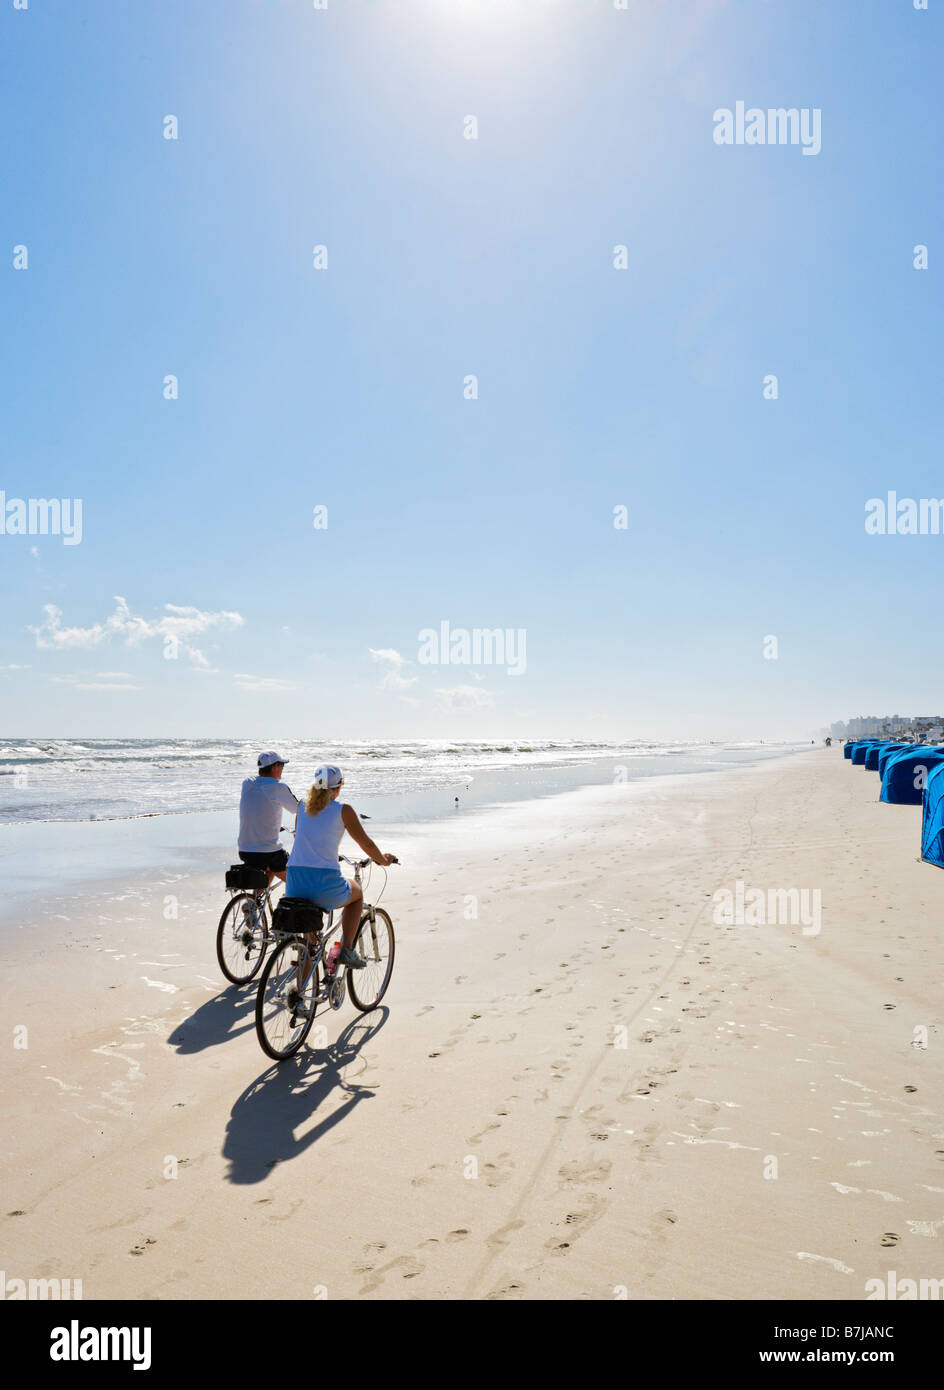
(351, 959)
(296, 1003)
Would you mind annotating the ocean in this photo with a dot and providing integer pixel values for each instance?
(120, 779)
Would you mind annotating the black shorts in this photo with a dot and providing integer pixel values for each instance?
(277, 859)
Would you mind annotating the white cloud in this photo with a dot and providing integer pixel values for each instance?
(460, 697)
(15, 668)
(105, 680)
(393, 677)
(180, 624)
(263, 684)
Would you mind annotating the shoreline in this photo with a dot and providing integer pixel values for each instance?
(90, 857)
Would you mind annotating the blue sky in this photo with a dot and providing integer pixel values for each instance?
(343, 387)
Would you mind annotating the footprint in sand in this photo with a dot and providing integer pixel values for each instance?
(507, 1291)
(890, 1238)
(580, 1172)
(477, 1138)
(408, 1264)
(579, 1220)
(498, 1172)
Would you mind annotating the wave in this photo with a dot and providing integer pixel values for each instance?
(120, 779)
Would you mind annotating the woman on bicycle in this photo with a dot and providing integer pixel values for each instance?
(313, 863)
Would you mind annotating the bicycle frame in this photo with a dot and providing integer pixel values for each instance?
(314, 950)
(262, 900)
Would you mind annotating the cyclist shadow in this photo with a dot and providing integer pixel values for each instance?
(219, 1019)
(263, 1121)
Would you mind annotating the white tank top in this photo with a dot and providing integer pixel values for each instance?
(317, 838)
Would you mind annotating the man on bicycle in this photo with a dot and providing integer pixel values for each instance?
(261, 803)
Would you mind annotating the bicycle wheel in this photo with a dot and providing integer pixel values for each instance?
(285, 1013)
(375, 942)
(241, 938)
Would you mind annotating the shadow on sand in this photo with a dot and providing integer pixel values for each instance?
(220, 1019)
(261, 1131)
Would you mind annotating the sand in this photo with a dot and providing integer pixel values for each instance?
(580, 1086)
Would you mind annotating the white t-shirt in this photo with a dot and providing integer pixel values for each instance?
(261, 804)
(317, 838)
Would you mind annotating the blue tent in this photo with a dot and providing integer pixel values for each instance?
(932, 820)
(889, 751)
(847, 748)
(860, 749)
(903, 782)
(871, 757)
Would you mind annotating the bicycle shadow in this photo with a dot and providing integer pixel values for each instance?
(263, 1121)
(216, 1021)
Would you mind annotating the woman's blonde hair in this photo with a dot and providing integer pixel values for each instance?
(318, 798)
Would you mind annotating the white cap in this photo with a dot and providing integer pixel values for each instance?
(328, 777)
(270, 759)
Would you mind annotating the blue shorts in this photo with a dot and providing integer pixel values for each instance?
(327, 888)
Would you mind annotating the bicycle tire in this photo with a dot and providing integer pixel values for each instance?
(222, 940)
(270, 994)
(368, 986)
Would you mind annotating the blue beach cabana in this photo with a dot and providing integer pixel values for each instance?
(847, 748)
(903, 782)
(932, 820)
(889, 751)
(859, 751)
(871, 757)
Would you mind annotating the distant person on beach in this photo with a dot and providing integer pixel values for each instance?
(313, 864)
(261, 803)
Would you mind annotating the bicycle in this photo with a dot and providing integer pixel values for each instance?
(292, 988)
(244, 933)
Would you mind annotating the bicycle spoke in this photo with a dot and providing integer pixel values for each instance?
(375, 942)
(287, 999)
(242, 938)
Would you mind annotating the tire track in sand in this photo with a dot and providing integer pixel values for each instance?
(514, 1219)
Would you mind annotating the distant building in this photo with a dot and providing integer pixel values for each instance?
(919, 728)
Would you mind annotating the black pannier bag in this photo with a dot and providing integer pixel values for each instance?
(297, 915)
(248, 880)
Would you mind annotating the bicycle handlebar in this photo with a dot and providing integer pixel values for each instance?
(362, 863)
